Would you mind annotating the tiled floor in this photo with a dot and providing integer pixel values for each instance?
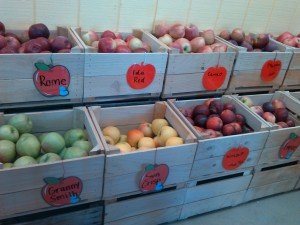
(281, 209)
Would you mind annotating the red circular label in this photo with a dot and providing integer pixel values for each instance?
(270, 70)
(235, 157)
(140, 76)
(214, 78)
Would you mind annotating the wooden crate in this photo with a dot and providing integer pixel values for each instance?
(185, 72)
(123, 171)
(148, 209)
(21, 188)
(273, 180)
(85, 214)
(298, 185)
(209, 195)
(246, 75)
(17, 88)
(210, 152)
(105, 73)
(277, 137)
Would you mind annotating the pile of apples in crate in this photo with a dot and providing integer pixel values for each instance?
(188, 39)
(19, 148)
(215, 119)
(34, 40)
(111, 42)
(289, 39)
(147, 136)
(274, 112)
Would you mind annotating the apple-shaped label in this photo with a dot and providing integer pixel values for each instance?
(140, 76)
(62, 191)
(270, 70)
(51, 80)
(154, 178)
(235, 157)
(214, 78)
(289, 146)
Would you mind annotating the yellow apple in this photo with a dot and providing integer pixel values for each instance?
(158, 142)
(157, 124)
(109, 140)
(167, 132)
(146, 128)
(112, 132)
(174, 141)
(123, 138)
(146, 142)
(124, 147)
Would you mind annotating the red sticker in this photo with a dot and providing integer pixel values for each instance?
(214, 78)
(140, 76)
(235, 157)
(154, 178)
(289, 146)
(62, 191)
(51, 80)
(270, 70)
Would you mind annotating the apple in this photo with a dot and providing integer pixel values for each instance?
(146, 142)
(22, 122)
(225, 34)
(157, 124)
(258, 110)
(38, 30)
(53, 142)
(2, 28)
(7, 151)
(25, 161)
(32, 46)
(237, 127)
(133, 137)
(191, 32)
(216, 107)
(112, 132)
(290, 123)
(233, 42)
(199, 129)
(118, 35)
(187, 112)
(281, 114)
(269, 117)
(28, 145)
(176, 45)
(165, 133)
(228, 129)
(284, 36)
(73, 153)
(166, 39)
(108, 34)
(201, 109)
(197, 43)
(209, 133)
(209, 37)
(49, 158)
(3, 41)
(185, 45)
(10, 133)
(161, 29)
(208, 101)
(290, 42)
(8, 50)
(177, 31)
(240, 119)
(268, 107)
(124, 147)
(229, 106)
(109, 140)
(24, 37)
(89, 37)
(74, 135)
(214, 123)
(146, 128)
(205, 49)
(247, 45)
(8, 165)
(64, 51)
(123, 138)
(238, 35)
(227, 116)
(45, 45)
(85, 145)
(278, 104)
(12, 43)
(123, 49)
(174, 141)
(135, 43)
(95, 44)
(158, 142)
(59, 43)
(247, 101)
(129, 37)
(107, 45)
(282, 125)
(120, 42)
(146, 46)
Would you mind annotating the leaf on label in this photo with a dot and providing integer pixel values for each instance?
(42, 66)
(149, 167)
(51, 180)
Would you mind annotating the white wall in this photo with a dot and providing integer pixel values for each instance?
(122, 15)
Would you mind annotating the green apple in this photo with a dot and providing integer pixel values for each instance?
(74, 152)
(53, 142)
(24, 161)
(85, 145)
(7, 151)
(74, 135)
(49, 157)
(10, 133)
(22, 122)
(28, 145)
(7, 165)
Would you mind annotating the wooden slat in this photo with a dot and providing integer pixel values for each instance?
(297, 185)
(292, 78)
(270, 155)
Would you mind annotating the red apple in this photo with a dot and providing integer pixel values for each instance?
(12, 43)
(38, 30)
(89, 37)
(209, 133)
(185, 45)
(281, 114)
(2, 29)
(260, 41)
(229, 106)
(240, 119)
(290, 123)
(177, 31)
(247, 45)
(59, 43)
(201, 109)
(290, 42)
(233, 42)
(228, 129)
(191, 32)
(8, 34)
(120, 42)
(238, 35)
(282, 125)
(22, 49)
(258, 110)
(3, 41)
(225, 34)
(166, 39)
(135, 43)
(118, 35)
(209, 37)
(284, 36)
(8, 50)
(250, 39)
(123, 49)
(214, 123)
(216, 107)
(108, 34)
(200, 120)
(33, 46)
(221, 48)
(278, 104)
(205, 49)
(197, 43)
(107, 45)
(177, 45)
(237, 127)
(199, 129)
(161, 29)
(227, 116)
(269, 117)
(187, 112)
(44, 43)
(129, 37)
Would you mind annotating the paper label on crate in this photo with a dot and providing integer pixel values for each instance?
(270, 70)
(154, 177)
(140, 76)
(289, 146)
(235, 157)
(62, 191)
(51, 80)
(214, 78)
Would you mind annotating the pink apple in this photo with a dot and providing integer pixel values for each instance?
(177, 31)
(297, 41)
(269, 117)
(225, 34)
(147, 46)
(119, 36)
(166, 39)
(3, 41)
(161, 29)
(185, 45)
(191, 32)
(197, 43)
(12, 43)
(177, 46)
(209, 36)
(108, 33)
(290, 42)
(220, 48)
(123, 49)
(205, 49)
(284, 36)
(135, 43)
(120, 42)
(129, 37)
(107, 45)
(89, 37)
